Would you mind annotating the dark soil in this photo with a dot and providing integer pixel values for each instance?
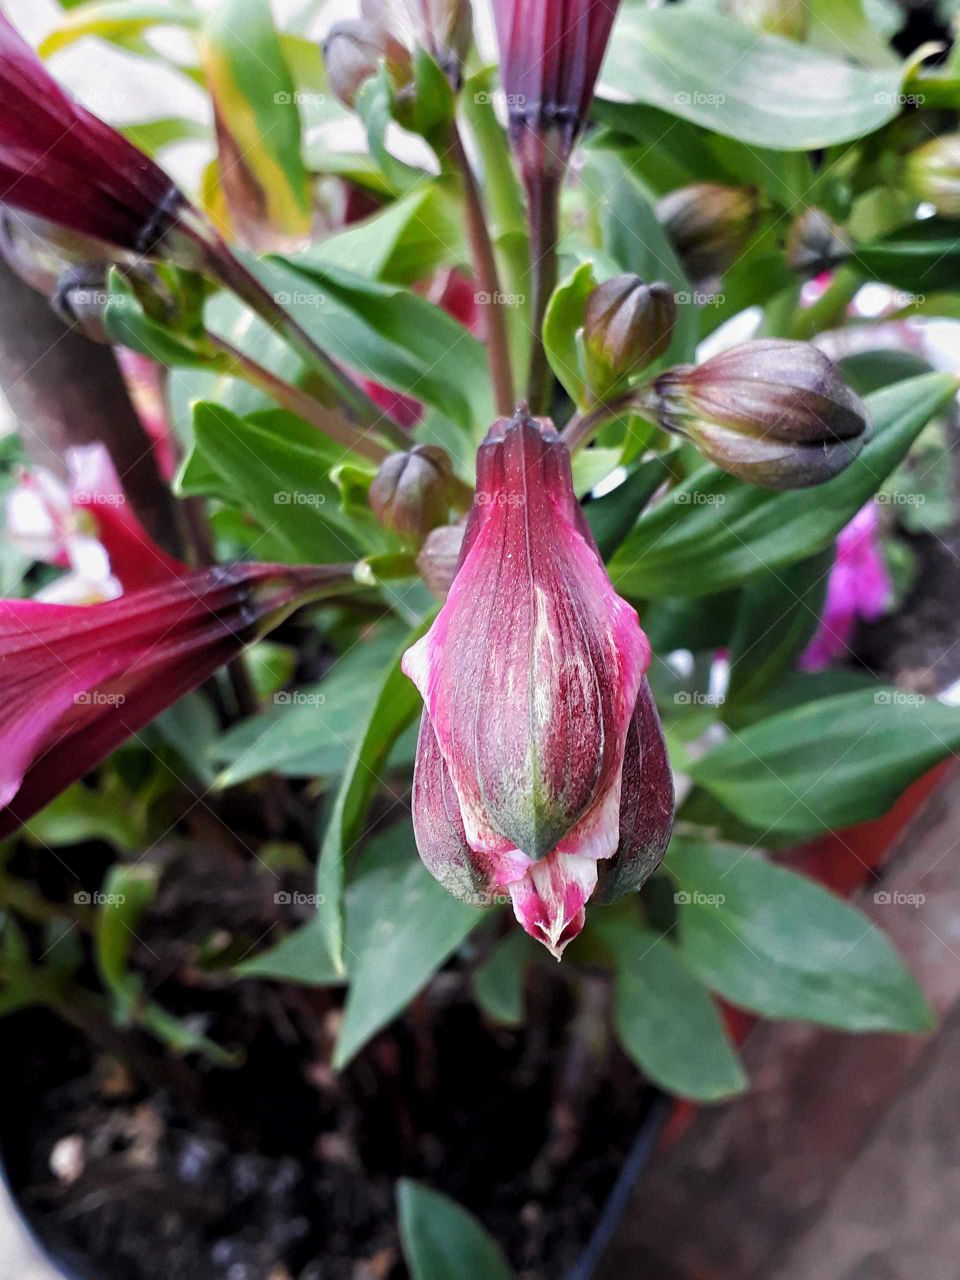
(132, 1165)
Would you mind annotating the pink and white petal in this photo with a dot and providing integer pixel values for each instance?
(550, 900)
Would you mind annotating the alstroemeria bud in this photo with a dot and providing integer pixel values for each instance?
(410, 492)
(626, 326)
(551, 52)
(815, 243)
(531, 676)
(776, 17)
(438, 558)
(932, 172)
(353, 51)
(708, 225)
(59, 161)
(772, 412)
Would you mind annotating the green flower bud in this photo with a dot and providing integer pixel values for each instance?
(709, 225)
(774, 413)
(626, 326)
(932, 172)
(815, 243)
(410, 494)
(776, 17)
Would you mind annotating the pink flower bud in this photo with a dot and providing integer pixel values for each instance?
(773, 412)
(530, 678)
(551, 52)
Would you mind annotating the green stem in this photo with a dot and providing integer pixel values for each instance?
(829, 310)
(487, 277)
(582, 426)
(299, 402)
(543, 202)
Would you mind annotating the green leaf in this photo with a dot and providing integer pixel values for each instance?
(401, 926)
(257, 110)
(394, 707)
(278, 469)
(128, 325)
(498, 983)
(770, 940)
(403, 243)
(309, 732)
(388, 334)
(776, 618)
(127, 893)
(665, 1017)
(762, 89)
(613, 516)
(441, 1241)
(79, 814)
(921, 257)
(116, 20)
(564, 316)
(832, 763)
(715, 532)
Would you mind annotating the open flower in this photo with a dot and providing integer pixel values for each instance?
(536, 705)
(551, 52)
(61, 162)
(87, 526)
(77, 680)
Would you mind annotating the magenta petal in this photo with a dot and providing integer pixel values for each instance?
(646, 805)
(530, 672)
(550, 900)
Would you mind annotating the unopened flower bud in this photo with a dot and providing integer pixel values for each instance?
(932, 172)
(815, 243)
(626, 326)
(352, 51)
(774, 17)
(708, 225)
(439, 557)
(410, 492)
(773, 413)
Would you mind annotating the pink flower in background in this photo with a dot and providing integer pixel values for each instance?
(145, 385)
(859, 587)
(86, 526)
(540, 753)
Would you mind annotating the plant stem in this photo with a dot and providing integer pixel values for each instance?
(583, 425)
(485, 269)
(543, 203)
(305, 406)
(230, 271)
